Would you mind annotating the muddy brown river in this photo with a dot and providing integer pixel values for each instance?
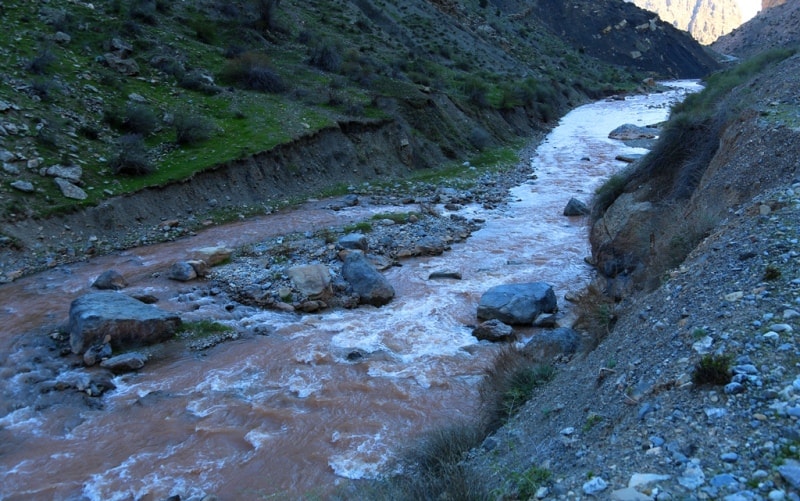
(288, 415)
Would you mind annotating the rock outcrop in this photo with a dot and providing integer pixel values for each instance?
(706, 20)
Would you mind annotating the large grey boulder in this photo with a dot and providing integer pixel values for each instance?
(122, 319)
(517, 304)
(367, 282)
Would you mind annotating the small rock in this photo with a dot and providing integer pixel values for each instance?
(69, 190)
(781, 328)
(23, 186)
(438, 275)
(182, 271)
(729, 457)
(734, 388)
(629, 494)
(356, 241)
(110, 280)
(568, 431)
(734, 296)
(638, 479)
(493, 330)
(575, 208)
(693, 477)
(124, 363)
(595, 486)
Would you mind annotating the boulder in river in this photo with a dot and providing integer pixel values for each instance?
(122, 319)
(517, 304)
(493, 330)
(575, 208)
(110, 280)
(367, 282)
(628, 132)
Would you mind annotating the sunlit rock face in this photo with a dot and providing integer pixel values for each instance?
(767, 4)
(705, 20)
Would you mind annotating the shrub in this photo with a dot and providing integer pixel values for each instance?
(132, 158)
(479, 138)
(140, 119)
(41, 63)
(191, 128)
(595, 315)
(144, 11)
(326, 57)
(251, 71)
(712, 369)
(477, 92)
(432, 470)
(197, 81)
(509, 384)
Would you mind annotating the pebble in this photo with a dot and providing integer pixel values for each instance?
(729, 457)
(781, 328)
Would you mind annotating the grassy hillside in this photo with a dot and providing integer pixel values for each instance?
(147, 92)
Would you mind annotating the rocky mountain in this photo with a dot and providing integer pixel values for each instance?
(774, 27)
(706, 20)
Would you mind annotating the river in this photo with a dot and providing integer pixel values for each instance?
(288, 414)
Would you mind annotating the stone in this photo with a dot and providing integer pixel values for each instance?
(429, 246)
(69, 190)
(23, 186)
(575, 208)
(734, 388)
(122, 320)
(367, 282)
(594, 486)
(71, 173)
(96, 353)
(790, 471)
(550, 343)
(779, 328)
(517, 304)
(628, 132)
(629, 494)
(723, 480)
(693, 477)
(200, 267)
(439, 275)
(311, 280)
(212, 255)
(110, 280)
(493, 330)
(638, 479)
(126, 362)
(354, 241)
(125, 66)
(182, 271)
(10, 169)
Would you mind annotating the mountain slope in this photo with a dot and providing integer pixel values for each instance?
(103, 101)
(774, 27)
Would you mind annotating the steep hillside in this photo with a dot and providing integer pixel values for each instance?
(155, 98)
(774, 27)
(622, 34)
(689, 391)
(706, 20)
